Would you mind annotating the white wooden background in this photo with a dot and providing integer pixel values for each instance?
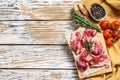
(32, 40)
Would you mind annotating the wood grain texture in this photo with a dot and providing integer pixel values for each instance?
(10, 10)
(34, 32)
(36, 9)
(36, 62)
(36, 56)
(47, 12)
(37, 74)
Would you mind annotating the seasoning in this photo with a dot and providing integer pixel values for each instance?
(84, 22)
(97, 12)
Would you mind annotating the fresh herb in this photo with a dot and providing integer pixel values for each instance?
(88, 46)
(84, 22)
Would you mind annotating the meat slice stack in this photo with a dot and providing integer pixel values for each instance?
(76, 42)
(82, 60)
(96, 58)
(99, 58)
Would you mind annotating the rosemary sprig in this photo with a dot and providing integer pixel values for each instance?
(84, 22)
(88, 46)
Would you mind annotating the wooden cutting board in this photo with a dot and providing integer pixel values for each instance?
(97, 71)
(100, 37)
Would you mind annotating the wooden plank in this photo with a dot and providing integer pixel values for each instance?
(47, 12)
(36, 9)
(10, 9)
(36, 56)
(34, 32)
(48, 2)
(37, 74)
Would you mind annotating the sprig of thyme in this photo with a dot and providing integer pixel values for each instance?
(88, 46)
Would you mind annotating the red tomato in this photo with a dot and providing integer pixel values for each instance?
(108, 33)
(117, 34)
(118, 28)
(115, 25)
(105, 24)
(110, 41)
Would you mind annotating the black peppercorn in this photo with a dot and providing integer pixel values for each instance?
(97, 12)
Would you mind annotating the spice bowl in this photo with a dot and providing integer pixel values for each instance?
(97, 12)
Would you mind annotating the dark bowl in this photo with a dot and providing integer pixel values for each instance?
(97, 12)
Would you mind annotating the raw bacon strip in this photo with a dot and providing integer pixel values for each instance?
(76, 42)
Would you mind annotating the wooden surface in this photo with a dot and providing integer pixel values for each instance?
(94, 71)
(32, 40)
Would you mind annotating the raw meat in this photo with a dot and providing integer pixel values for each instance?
(98, 61)
(89, 34)
(76, 42)
(97, 48)
(99, 58)
(96, 58)
(82, 61)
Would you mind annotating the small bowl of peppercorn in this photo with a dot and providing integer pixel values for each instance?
(97, 12)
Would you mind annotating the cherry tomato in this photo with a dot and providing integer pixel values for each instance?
(108, 33)
(115, 25)
(118, 28)
(110, 41)
(105, 24)
(117, 34)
